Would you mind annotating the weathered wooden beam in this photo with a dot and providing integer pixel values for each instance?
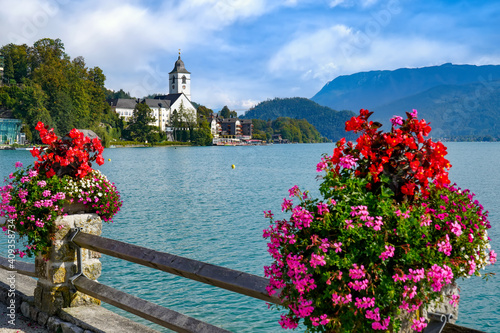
(240, 282)
(452, 328)
(155, 313)
(21, 267)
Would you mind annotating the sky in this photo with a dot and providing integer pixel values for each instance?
(242, 52)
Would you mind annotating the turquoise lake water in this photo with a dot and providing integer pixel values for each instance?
(188, 201)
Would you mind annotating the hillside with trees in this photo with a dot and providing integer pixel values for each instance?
(328, 122)
(42, 83)
(292, 130)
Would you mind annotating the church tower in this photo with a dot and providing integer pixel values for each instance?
(180, 79)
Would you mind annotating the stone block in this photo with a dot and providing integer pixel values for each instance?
(81, 299)
(43, 317)
(57, 273)
(52, 298)
(94, 255)
(90, 223)
(53, 324)
(92, 269)
(70, 328)
(62, 251)
(34, 313)
(25, 309)
(41, 267)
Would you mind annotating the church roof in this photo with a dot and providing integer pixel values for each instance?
(156, 102)
(123, 103)
(179, 67)
(170, 98)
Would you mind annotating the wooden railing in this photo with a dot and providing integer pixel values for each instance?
(236, 281)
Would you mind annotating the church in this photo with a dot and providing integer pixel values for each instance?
(163, 106)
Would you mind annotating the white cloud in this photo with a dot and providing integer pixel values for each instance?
(338, 50)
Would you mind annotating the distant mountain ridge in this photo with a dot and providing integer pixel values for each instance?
(367, 90)
(468, 111)
(462, 102)
(330, 123)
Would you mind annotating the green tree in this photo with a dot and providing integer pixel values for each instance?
(117, 94)
(225, 112)
(203, 112)
(16, 62)
(139, 126)
(202, 136)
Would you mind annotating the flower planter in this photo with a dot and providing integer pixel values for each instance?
(388, 235)
(60, 192)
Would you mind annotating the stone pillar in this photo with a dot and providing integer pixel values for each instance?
(54, 289)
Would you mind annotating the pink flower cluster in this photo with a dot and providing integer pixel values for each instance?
(375, 316)
(365, 302)
(357, 273)
(419, 324)
(362, 212)
(317, 260)
(439, 276)
(322, 208)
(445, 246)
(397, 120)
(389, 252)
(322, 320)
(301, 217)
(347, 162)
(339, 299)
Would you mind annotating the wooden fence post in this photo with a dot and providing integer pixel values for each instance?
(54, 289)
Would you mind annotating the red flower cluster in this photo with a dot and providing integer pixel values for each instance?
(402, 156)
(71, 155)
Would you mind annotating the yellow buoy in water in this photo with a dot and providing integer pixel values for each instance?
(109, 159)
(232, 166)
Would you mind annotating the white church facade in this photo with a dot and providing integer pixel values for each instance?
(163, 106)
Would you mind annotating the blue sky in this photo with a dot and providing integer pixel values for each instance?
(241, 52)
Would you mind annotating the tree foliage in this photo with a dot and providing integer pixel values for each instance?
(139, 128)
(328, 122)
(44, 84)
(293, 130)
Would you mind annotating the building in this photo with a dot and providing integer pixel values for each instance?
(231, 126)
(215, 126)
(10, 129)
(163, 106)
(230, 130)
(246, 128)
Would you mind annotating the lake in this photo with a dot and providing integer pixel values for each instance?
(188, 201)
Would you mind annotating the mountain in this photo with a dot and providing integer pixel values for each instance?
(330, 123)
(368, 90)
(457, 112)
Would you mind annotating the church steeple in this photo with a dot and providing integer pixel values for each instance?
(180, 79)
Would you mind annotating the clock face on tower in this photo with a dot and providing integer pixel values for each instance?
(183, 87)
